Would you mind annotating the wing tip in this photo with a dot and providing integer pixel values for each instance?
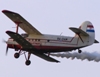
(54, 60)
(9, 32)
(58, 62)
(6, 11)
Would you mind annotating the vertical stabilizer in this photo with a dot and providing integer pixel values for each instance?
(88, 27)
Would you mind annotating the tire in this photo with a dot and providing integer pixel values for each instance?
(16, 55)
(28, 62)
(79, 51)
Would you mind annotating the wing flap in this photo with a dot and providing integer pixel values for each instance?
(23, 24)
(26, 45)
(78, 31)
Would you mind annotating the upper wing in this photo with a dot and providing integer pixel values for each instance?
(25, 25)
(25, 44)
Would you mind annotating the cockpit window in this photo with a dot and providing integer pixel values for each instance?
(24, 35)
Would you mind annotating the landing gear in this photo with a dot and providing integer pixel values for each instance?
(28, 62)
(79, 51)
(16, 55)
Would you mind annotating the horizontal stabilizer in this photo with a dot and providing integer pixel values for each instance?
(96, 41)
(78, 31)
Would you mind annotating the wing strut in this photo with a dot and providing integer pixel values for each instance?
(80, 38)
(17, 25)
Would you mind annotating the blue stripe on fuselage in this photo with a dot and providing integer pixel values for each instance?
(90, 31)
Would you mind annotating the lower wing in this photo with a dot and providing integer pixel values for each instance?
(26, 45)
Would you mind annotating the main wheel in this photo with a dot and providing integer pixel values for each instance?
(16, 55)
(79, 51)
(28, 62)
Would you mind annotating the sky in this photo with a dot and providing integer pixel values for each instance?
(50, 17)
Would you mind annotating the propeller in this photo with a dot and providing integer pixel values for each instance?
(6, 47)
(7, 50)
(4, 41)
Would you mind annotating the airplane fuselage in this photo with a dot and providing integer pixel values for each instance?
(34, 42)
(49, 43)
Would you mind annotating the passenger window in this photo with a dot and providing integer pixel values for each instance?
(48, 40)
(38, 39)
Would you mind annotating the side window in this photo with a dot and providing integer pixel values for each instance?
(58, 38)
(32, 39)
(35, 39)
(48, 40)
(38, 39)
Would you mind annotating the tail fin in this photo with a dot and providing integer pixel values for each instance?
(88, 27)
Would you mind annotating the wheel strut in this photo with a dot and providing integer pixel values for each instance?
(27, 62)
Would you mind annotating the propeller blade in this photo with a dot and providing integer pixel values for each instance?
(6, 47)
(7, 50)
(4, 41)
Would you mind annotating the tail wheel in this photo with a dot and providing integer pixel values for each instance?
(79, 51)
(28, 62)
(16, 55)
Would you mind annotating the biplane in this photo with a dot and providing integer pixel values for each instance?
(41, 45)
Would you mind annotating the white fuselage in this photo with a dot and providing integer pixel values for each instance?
(53, 43)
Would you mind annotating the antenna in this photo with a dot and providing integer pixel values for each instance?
(61, 33)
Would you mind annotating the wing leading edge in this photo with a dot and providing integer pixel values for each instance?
(18, 19)
(25, 44)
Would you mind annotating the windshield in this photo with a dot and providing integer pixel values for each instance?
(24, 35)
